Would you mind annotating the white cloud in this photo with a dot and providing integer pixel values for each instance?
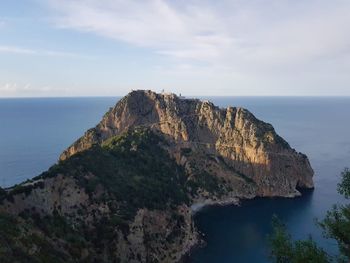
(28, 51)
(189, 32)
(16, 50)
(13, 89)
(232, 33)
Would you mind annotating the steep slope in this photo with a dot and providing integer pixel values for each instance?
(248, 145)
(124, 191)
(123, 201)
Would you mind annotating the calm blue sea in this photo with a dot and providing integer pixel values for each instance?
(33, 132)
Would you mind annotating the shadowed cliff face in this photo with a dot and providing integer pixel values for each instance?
(247, 145)
(126, 190)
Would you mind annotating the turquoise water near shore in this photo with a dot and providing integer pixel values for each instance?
(33, 132)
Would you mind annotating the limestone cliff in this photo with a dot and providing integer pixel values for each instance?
(247, 145)
(126, 190)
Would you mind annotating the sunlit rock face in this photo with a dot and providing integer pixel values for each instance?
(243, 144)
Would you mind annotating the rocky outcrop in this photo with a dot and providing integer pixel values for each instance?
(126, 191)
(249, 146)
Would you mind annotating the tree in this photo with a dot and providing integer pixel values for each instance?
(335, 225)
(2, 194)
(284, 250)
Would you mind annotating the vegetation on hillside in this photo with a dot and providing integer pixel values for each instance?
(19, 242)
(2, 194)
(133, 167)
(335, 225)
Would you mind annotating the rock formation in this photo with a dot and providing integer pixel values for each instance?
(247, 145)
(125, 190)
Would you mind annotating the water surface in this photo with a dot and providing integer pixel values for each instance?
(33, 132)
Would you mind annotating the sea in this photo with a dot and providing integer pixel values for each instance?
(34, 131)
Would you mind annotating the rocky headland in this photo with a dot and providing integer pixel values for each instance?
(127, 189)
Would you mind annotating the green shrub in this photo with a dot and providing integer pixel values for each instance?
(133, 167)
(336, 225)
(2, 194)
(186, 151)
(19, 189)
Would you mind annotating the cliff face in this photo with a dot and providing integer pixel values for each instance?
(124, 191)
(247, 145)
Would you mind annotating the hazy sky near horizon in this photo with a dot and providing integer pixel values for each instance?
(193, 47)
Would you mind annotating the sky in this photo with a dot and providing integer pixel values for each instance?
(51, 48)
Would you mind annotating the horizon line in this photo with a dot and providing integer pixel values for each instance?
(188, 96)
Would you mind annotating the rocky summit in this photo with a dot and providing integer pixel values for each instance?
(126, 191)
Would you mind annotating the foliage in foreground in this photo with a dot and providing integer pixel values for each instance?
(284, 250)
(335, 225)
